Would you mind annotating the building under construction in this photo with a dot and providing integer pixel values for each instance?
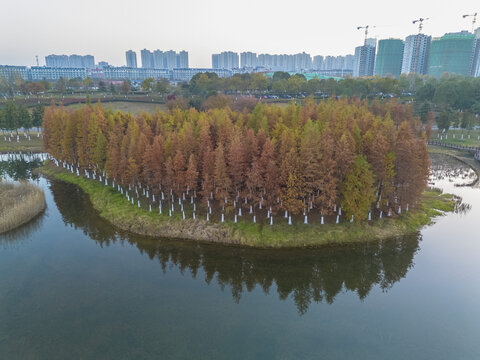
(415, 54)
(365, 58)
(476, 55)
(389, 57)
(452, 53)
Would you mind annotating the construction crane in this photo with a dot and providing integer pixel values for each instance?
(420, 24)
(473, 21)
(417, 50)
(36, 58)
(366, 27)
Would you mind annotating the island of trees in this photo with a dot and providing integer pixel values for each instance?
(340, 159)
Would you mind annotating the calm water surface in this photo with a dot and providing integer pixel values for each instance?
(72, 287)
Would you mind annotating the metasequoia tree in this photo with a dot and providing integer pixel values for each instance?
(296, 159)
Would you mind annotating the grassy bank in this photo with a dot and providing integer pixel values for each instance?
(24, 145)
(114, 207)
(454, 137)
(19, 203)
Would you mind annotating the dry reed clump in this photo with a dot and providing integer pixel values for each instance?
(19, 203)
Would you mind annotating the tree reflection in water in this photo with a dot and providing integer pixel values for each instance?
(19, 166)
(305, 274)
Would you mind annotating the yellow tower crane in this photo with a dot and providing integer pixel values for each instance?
(474, 20)
(366, 27)
(420, 24)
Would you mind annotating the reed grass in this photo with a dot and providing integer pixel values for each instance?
(19, 203)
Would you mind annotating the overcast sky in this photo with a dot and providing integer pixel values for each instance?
(106, 28)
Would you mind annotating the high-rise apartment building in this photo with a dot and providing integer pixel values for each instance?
(248, 60)
(389, 57)
(365, 58)
(349, 62)
(317, 63)
(302, 61)
(415, 54)
(225, 60)
(452, 53)
(131, 57)
(158, 59)
(329, 63)
(75, 60)
(89, 61)
(147, 59)
(57, 61)
(182, 60)
(215, 61)
(72, 61)
(169, 59)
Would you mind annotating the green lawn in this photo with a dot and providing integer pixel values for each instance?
(34, 144)
(454, 137)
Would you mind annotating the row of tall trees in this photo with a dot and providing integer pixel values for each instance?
(311, 158)
(14, 116)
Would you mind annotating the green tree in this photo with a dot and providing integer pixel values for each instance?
(86, 83)
(101, 151)
(61, 86)
(161, 86)
(25, 119)
(358, 191)
(102, 87)
(444, 120)
(147, 84)
(468, 120)
(280, 75)
(126, 87)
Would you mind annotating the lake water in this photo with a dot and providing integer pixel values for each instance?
(73, 287)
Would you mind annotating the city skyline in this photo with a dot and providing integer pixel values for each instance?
(310, 31)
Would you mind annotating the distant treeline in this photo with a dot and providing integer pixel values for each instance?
(311, 158)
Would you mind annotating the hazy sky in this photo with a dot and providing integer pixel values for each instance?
(106, 28)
